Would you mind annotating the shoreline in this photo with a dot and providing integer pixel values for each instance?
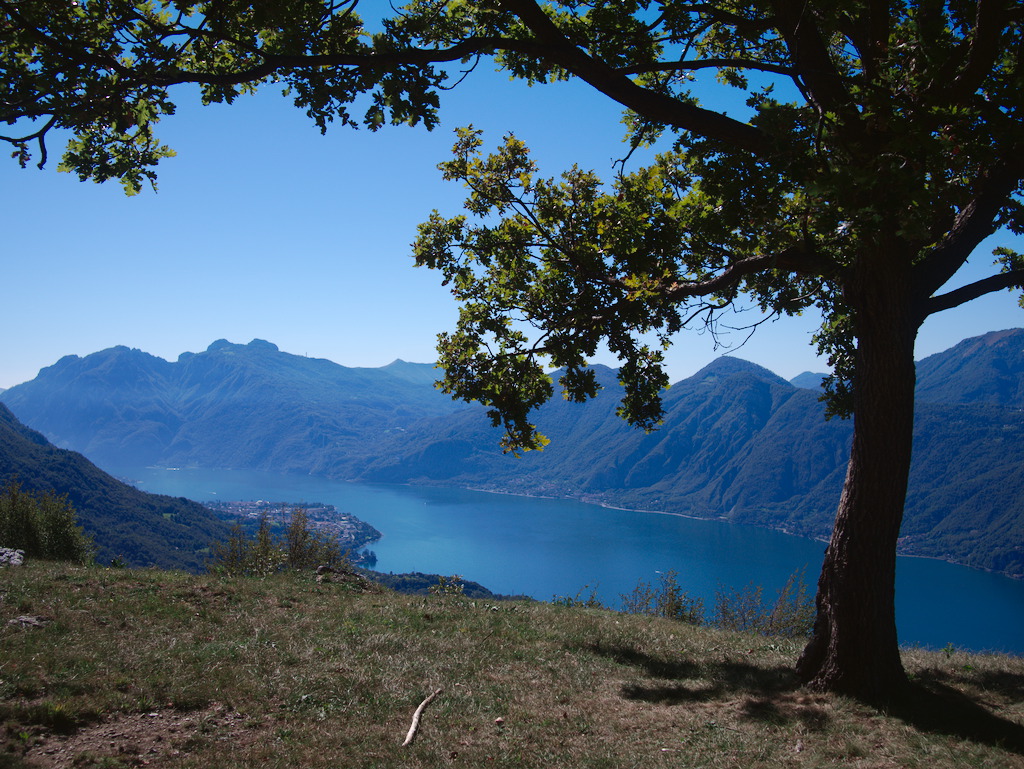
(709, 519)
(606, 505)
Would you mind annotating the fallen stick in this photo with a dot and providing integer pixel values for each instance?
(416, 718)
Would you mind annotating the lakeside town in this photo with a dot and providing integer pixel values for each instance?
(352, 533)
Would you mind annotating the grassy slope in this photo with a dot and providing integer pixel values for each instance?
(174, 670)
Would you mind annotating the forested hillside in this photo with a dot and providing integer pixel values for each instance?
(738, 442)
(742, 445)
(136, 528)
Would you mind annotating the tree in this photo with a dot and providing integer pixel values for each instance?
(260, 553)
(43, 526)
(883, 144)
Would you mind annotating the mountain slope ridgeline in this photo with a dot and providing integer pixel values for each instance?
(126, 524)
(738, 442)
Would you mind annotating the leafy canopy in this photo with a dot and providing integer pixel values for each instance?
(884, 143)
(898, 138)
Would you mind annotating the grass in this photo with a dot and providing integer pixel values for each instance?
(151, 668)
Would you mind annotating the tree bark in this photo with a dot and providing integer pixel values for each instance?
(854, 648)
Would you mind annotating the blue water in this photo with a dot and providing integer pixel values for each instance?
(553, 547)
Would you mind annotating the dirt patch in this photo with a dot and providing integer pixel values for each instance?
(140, 739)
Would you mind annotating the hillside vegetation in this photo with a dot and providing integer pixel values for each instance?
(124, 523)
(738, 442)
(122, 668)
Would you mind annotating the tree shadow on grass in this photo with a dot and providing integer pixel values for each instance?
(1008, 684)
(710, 679)
(931, 706)
(927, 705)
(769, 695)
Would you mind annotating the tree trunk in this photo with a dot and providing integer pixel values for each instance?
(854, 649)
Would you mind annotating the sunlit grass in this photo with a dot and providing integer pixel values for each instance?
(203, 671)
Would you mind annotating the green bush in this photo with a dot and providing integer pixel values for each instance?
(578, 601)
(792, 614)
(42, 525)
(263, 553)
(307, 549)
(667, 600)
(452, 585)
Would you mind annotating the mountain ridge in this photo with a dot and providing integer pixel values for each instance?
(157, 412)
(738, 442)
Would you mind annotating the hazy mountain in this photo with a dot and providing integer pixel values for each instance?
(141, 529)
(738, 442)
(736, 438)
(741, 444)
(984, 369)
(808, 380)
(233, 405)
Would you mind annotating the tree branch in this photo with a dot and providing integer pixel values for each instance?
(651, 105)
(39, 136)
(869, 33)
(959, 296)
(692, 66)
(548, 44)
(982, 51)
(277, 62)
(812, 61)
(75, 55)
(728, 278)
(794, 259)
(975, 222)
(416, 718)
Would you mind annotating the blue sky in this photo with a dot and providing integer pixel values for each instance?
(263, 228)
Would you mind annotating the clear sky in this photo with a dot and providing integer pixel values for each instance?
(263, 228)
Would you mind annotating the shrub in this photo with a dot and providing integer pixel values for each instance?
(741, 609)
(791, 615)
(307, 549)
(43, 526)
(452, 585)
(667, 600)
(263, 553)
(794, 612)
(578, 601)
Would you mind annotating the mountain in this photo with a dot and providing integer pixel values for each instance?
(986, 369)
(248, 406)
(738, 442)
(808, 380)
(139, 529)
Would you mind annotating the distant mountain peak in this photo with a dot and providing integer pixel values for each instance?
(420, 373)
(728, 366)
(255, 344)
(263, 344)
(809, 380)
(982, 369)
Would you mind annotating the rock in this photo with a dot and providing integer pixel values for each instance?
(10, 557)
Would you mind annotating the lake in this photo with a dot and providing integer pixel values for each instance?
(555, 547)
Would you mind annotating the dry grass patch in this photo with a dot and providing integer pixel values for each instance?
(165, 669)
